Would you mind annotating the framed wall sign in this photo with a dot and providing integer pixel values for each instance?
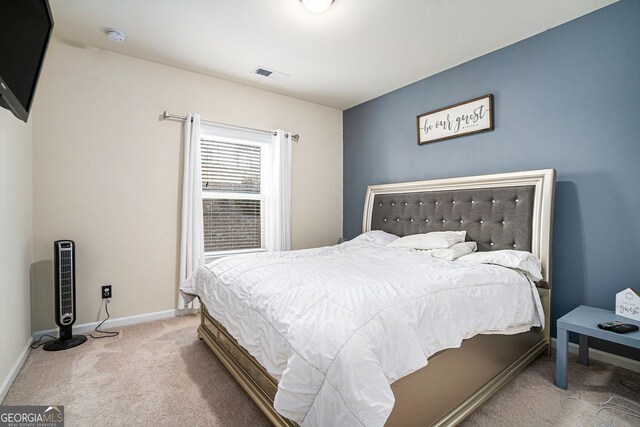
(456, 120)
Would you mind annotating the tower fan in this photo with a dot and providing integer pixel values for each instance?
(65, 296)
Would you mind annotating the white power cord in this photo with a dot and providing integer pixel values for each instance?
(603, 407)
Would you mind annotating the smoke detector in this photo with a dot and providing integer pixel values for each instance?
(271, 74)
(115, 35)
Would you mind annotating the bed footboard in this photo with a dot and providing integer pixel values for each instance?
(443, 393)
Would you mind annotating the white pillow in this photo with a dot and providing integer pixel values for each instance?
(519, 260)
(454, 252)
(433, 240)
(376, 236)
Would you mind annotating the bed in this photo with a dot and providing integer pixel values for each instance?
(282, 356)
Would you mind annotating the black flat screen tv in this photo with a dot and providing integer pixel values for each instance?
(25, 30)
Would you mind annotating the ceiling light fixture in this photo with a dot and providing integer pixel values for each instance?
(115, 35)
(317, 6)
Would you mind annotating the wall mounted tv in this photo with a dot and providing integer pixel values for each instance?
(25, 30)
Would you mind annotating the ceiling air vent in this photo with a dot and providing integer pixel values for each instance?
(271, 74)
(263, 72)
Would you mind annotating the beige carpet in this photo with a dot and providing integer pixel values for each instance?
(160, 374)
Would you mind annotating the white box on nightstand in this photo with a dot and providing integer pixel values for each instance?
(628, 304)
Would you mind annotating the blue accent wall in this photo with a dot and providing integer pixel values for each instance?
(568, 99)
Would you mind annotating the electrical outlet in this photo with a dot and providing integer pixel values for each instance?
(106, 292)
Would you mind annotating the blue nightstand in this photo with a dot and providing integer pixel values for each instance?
(584, 320)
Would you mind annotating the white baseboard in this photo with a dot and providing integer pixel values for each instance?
(13, 372)
(603, 356)
(118, 322)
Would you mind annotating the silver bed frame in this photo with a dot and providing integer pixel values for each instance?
(456, 381)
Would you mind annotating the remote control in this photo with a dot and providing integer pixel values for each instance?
(618, 327)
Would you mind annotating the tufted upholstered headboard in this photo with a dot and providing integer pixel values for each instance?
(501, 211)
(495, 218)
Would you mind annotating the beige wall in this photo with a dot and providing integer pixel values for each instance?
(107, 172)
(15, 239)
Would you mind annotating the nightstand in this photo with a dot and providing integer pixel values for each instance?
(584, 321)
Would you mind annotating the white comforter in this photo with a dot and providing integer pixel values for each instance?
(337, 325)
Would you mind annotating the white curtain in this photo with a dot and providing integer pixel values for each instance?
(192, 238)
(279, 204)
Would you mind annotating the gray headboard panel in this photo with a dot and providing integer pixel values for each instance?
(495, 218)
(523, 200)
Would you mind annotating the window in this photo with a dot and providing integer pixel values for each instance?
(233, 194)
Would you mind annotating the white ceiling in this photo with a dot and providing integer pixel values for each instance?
(356, 51)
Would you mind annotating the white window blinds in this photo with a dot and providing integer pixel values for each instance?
(232, 195)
